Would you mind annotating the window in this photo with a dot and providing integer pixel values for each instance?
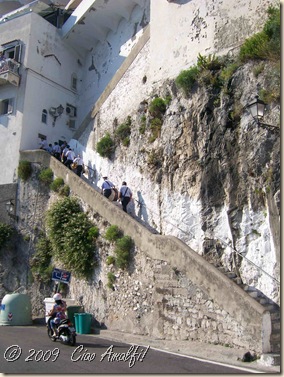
(41, 136)
(44, 116)
(12, 50)
(72, 124)
(6, 106)
(74, 81)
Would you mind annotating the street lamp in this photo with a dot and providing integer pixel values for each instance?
(257, 108)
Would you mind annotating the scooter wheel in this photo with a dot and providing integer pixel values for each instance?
(72, 340)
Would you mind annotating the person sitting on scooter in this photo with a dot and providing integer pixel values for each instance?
(57, 312)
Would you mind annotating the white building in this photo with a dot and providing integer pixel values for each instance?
(56, 62)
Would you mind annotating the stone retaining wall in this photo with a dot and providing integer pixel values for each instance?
(201, 302)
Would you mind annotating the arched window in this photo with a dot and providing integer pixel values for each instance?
(74, 81)
(44, 116)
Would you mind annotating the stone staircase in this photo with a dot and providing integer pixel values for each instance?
(272, 358)
(166, 280)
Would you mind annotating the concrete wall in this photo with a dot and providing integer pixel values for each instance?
(229, 297)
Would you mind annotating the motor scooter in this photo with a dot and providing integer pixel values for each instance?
(66, 332)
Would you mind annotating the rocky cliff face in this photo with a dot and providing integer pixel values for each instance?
(211, 177)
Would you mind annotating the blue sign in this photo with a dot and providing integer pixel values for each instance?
(60, 275)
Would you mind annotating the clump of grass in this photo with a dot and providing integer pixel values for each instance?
(24, 170)
(46, 176)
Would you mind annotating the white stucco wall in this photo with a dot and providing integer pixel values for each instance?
(182, 29)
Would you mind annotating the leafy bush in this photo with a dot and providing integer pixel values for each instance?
(123, 132)
(105, 146)
(46, 176)
(57, 184)
(186, 79)
(94, 232)
(267, 43)
(113, 233)
(41, 261)
(111, 279)
(72, 236)
(157, 107)
(24, 170)
(6, 232)
(122, 251)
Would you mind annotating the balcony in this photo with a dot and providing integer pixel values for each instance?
(9, 72)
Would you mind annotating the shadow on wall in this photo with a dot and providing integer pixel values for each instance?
(142, 211)
(92, 173)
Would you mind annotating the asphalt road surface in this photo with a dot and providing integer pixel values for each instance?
(29, 350)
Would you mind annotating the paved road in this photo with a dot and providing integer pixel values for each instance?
(29, 350)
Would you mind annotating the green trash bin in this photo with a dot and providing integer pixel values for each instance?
(76, 317)
(84, 323)
(71, 310)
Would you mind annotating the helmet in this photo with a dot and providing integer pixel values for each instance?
(57, 297)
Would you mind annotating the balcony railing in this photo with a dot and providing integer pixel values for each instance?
(9, 72)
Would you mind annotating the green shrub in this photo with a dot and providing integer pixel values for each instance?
(64, 190)
(24, 170)
(6, 232)
(122, 251)
(46, 176)
(123, 132)
(41, 261)
(186, 79)
(142, 127)
(57, 184)
(155, 126)
(210, 62)
(267, 43)
(228, 71)
(111, 279)
(105, 146)
(110, 260)
(72, 236)
(94, 232)
(112, 233)
(157, 107)
(255, 47)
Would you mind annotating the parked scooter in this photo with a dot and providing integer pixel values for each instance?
(66, 332)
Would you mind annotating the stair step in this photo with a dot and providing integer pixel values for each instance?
(275, 337)
(262, 301)
(275, 315)
(248, 288)
(275, 326)
(237, 280)
(270, 359)
(253, 294)
(269, 307)
(230, 275)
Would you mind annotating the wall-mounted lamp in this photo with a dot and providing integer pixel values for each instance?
(56, 112)
(257, 108)
(10, 208)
